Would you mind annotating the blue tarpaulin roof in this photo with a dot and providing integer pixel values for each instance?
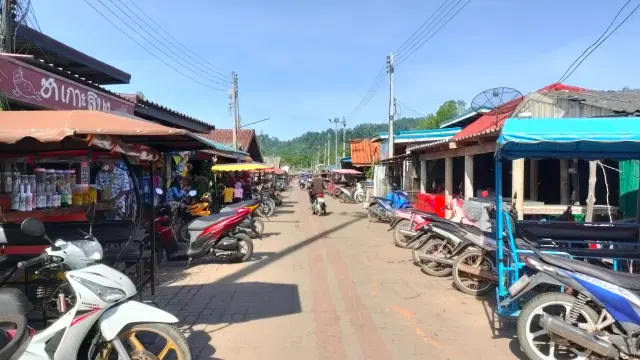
(616, 138)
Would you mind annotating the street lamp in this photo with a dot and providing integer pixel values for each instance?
(336, 121)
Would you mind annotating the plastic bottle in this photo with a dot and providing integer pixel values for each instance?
(23, 200)
(28, 202)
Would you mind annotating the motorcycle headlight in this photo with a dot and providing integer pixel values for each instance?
(105, 293)
(92, 249)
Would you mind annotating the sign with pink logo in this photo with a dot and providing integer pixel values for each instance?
(35, 86)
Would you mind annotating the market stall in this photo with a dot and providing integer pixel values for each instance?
(49, 165)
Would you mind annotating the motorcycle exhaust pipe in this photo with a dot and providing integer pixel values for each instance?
(408, 233)
(479, 272)
(437, 259)
(579, 336)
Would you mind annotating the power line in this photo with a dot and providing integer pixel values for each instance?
(158, 26)
(143, 47)
(416, 48)
(213, 78)
(585, 54)
(368, 95)
(399, 50)
(405, 106)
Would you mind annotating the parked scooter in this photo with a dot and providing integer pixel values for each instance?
(216, 235)
(596, 316)
(380, 209)
(355, 195)
(319, 206)
(94, 326)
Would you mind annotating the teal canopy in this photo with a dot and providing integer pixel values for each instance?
(616, 138)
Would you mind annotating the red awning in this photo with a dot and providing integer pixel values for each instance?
(346, 171)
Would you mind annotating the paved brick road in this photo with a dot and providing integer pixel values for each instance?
(329, 287)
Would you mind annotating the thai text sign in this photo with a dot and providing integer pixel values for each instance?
(38, 87)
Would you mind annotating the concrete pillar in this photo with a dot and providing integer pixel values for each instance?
(517, 185)
(591, 197)
(423, 176)
(448, 183)
(468, 177)
(564, 182)
(533, 180)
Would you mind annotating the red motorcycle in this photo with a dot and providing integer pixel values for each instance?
(216, 235)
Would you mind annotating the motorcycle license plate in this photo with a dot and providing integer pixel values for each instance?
(519, 285)
(321, 200)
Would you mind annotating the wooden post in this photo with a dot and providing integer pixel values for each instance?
(468, 177)
(591, 197)
(533, 180)
(564, 182)
(448, 183)
(423, 176)
(517, 185)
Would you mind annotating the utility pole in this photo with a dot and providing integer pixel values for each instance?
(344, 136)
(234, 108)
(8, 14)
(392, 103)
(326, 159)
(336, 121)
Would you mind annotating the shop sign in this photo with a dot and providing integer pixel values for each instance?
(35, 86)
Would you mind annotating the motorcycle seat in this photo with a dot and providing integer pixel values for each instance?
(245, 203)
(13, 302)
(622, 279)
(204, 222)
(420, 212)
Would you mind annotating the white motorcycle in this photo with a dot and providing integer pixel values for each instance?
(102, 317)
(355, 196)
(319, 206)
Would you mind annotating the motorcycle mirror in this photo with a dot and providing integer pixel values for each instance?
(192, 193)
(32, 227)
(159, 191)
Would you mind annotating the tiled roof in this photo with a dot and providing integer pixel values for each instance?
(364, 152)
(618, 101)
(225, 136)
(490, 122)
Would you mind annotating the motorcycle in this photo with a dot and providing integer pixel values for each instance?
(250, 222)
(356, 195)
(319, 206)
(101, 312)
(596, 316)
(380, 209)
(14, 333)
(216, 235)
(404, 225)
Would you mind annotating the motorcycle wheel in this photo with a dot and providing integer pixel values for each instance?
(183, 233)
(360, 198)
(371, 213)
(336, 193)
(417, 248)
(468, 283)
(177, 343)
(399, 238)
(259, 225)
(343, 198)
(278, 202)
(248, 246)
(271, 208)
(435, 246)
(557, 304)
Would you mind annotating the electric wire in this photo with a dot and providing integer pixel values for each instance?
(375, 86)
(145, 48)
(585, 54)
(399, 49)
(402, 59)
(181, 54)
(158, 26)
(407, 107)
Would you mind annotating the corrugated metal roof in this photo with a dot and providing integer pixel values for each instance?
(417, 135)
(134, 98)
(364, 152)
(490, 122)
(618, 101)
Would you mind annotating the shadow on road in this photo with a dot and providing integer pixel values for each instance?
(502, 328)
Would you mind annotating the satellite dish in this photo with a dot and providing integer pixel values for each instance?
(496, 101)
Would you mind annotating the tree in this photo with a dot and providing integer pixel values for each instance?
(447, 111)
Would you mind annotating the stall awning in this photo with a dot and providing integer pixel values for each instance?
(346, 171)
(55, 126)
(615, 138)
(240, 167)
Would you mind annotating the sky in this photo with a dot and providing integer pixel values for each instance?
(300, 63)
